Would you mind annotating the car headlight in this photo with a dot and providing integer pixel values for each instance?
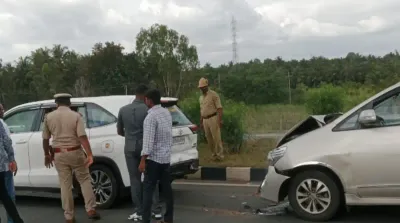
(276, 154)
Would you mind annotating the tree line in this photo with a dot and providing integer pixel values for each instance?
(165, 59)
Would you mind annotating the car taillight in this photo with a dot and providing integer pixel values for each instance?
(194, 128)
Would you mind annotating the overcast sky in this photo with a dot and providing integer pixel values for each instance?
(265, 28)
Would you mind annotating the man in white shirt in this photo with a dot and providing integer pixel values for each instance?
(9, 176)
(156, 156)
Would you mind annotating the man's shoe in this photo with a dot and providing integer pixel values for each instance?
(92, 214)
(135, 217)
(157, 216)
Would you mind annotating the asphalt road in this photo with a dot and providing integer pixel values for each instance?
(196, 204)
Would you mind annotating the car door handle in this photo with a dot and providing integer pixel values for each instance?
(21, 141)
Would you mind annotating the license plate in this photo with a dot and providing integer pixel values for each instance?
(178, 140)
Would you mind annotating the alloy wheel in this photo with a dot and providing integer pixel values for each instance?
(313, 196)
(102, 186)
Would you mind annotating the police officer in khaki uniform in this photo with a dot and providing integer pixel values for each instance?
(211, 118)
(69, 136)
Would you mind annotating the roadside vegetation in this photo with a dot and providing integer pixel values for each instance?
(259, 96)
(272, 118)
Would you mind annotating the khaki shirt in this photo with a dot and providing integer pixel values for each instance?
(65, 126)
(209, 103)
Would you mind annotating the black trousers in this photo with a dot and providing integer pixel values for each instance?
(5, 198)
(157, 172)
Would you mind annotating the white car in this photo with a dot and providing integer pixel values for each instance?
(109, 172)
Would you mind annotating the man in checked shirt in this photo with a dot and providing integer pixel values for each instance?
(156, 155)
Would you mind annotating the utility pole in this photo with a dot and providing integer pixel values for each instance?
(219, 81)
(234, 46)
(126, 89)
(290, 90)
(234, 42)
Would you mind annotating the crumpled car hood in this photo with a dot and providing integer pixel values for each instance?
(309, 124)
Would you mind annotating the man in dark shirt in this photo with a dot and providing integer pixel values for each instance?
(130, 126)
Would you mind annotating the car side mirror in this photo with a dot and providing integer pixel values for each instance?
(367, 117)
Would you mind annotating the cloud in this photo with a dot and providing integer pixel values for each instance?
(265, 28)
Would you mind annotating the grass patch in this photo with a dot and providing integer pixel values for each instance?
(258, 119)
(273, 118)
(253, 154)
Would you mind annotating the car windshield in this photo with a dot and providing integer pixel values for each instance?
(178, 118)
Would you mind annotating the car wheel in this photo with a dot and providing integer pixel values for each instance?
(105, 186)
(314, 196)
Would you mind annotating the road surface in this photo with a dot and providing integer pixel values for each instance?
(195, 204)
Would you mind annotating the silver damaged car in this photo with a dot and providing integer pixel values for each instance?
(331, 161)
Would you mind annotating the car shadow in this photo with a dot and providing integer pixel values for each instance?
(370, 214)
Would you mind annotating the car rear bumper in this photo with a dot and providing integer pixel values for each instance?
(178, 170)
(272, 184)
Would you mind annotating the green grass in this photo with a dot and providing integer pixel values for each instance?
(254, 154)
(273, 118)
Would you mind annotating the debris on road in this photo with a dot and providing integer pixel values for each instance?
(279, 209)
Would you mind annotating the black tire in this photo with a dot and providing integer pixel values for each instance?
(113, 199)
(335, 202)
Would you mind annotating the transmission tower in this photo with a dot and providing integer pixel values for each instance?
(234, 43)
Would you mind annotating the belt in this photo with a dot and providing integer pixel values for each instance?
(62, 150)
(210, 116)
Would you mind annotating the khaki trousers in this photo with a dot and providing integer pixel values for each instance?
(66, 163)
(213, 135)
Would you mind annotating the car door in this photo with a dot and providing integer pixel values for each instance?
(374, 152)
(41, 176)
(103, 132)
(21, 124)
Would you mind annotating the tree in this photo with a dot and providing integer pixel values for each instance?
(106, 69)
(171, 55)
(165, 59)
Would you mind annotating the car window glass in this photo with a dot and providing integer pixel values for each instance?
(389, 111)
(22, 121)
(178, 118)
(98, 116)
(350, 123)
(80, 110)
(46, 111)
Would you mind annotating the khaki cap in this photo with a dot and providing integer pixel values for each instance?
(62, 95)
(203, 82)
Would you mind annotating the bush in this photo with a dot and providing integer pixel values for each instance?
(357, 93)
(233, 114)
(325, 99)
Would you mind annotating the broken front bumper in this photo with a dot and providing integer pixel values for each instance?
(271, 185)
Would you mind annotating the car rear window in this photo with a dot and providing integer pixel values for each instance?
(178, 118)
